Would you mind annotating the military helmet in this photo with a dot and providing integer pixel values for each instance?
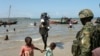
(86, 13)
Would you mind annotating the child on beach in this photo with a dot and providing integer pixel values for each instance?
(49, 50)
(28, 49)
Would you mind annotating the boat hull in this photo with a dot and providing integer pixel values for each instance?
(58, 22)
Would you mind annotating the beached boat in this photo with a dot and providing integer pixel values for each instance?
(64, 20)
(8, 21)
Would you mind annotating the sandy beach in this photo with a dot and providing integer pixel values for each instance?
(65, 50)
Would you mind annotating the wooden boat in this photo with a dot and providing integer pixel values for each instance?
(64, 21)
(9, 21)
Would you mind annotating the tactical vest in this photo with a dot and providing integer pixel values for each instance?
(82, 45)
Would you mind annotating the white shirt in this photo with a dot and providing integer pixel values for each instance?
(49, 52)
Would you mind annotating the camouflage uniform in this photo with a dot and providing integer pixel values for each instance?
(85, 39)
(82, 47)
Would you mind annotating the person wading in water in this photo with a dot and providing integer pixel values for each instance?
(44, 28)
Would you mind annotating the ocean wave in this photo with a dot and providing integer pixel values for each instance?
(1, 36)
(36, 39)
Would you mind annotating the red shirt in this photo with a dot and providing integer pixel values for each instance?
(27, 50)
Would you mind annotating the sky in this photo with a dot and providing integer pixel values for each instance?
(54, 8)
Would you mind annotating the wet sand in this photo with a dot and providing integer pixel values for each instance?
(65, 51)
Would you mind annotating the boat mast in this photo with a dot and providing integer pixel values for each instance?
(9, 11)
(99, 4)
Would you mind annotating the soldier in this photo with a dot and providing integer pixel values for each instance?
(96, 37)
(96, 40)
(82, 45)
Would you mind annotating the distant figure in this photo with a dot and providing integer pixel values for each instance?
(49, 50)
(44, 28)
(6, 38)
(35, 23)
(82, 45)
(4, 23)
(70, 25)
(28, 48)
(4, 26)
(14, 29)
(6, 30)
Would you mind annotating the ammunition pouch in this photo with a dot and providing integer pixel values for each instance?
(75, 48)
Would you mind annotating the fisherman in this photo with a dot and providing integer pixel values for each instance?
(82, 45)
(35, 23)
(6, 30)
(14, 29)
(70, 24)
(6, 38)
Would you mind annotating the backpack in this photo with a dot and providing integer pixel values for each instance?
(96, 37)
